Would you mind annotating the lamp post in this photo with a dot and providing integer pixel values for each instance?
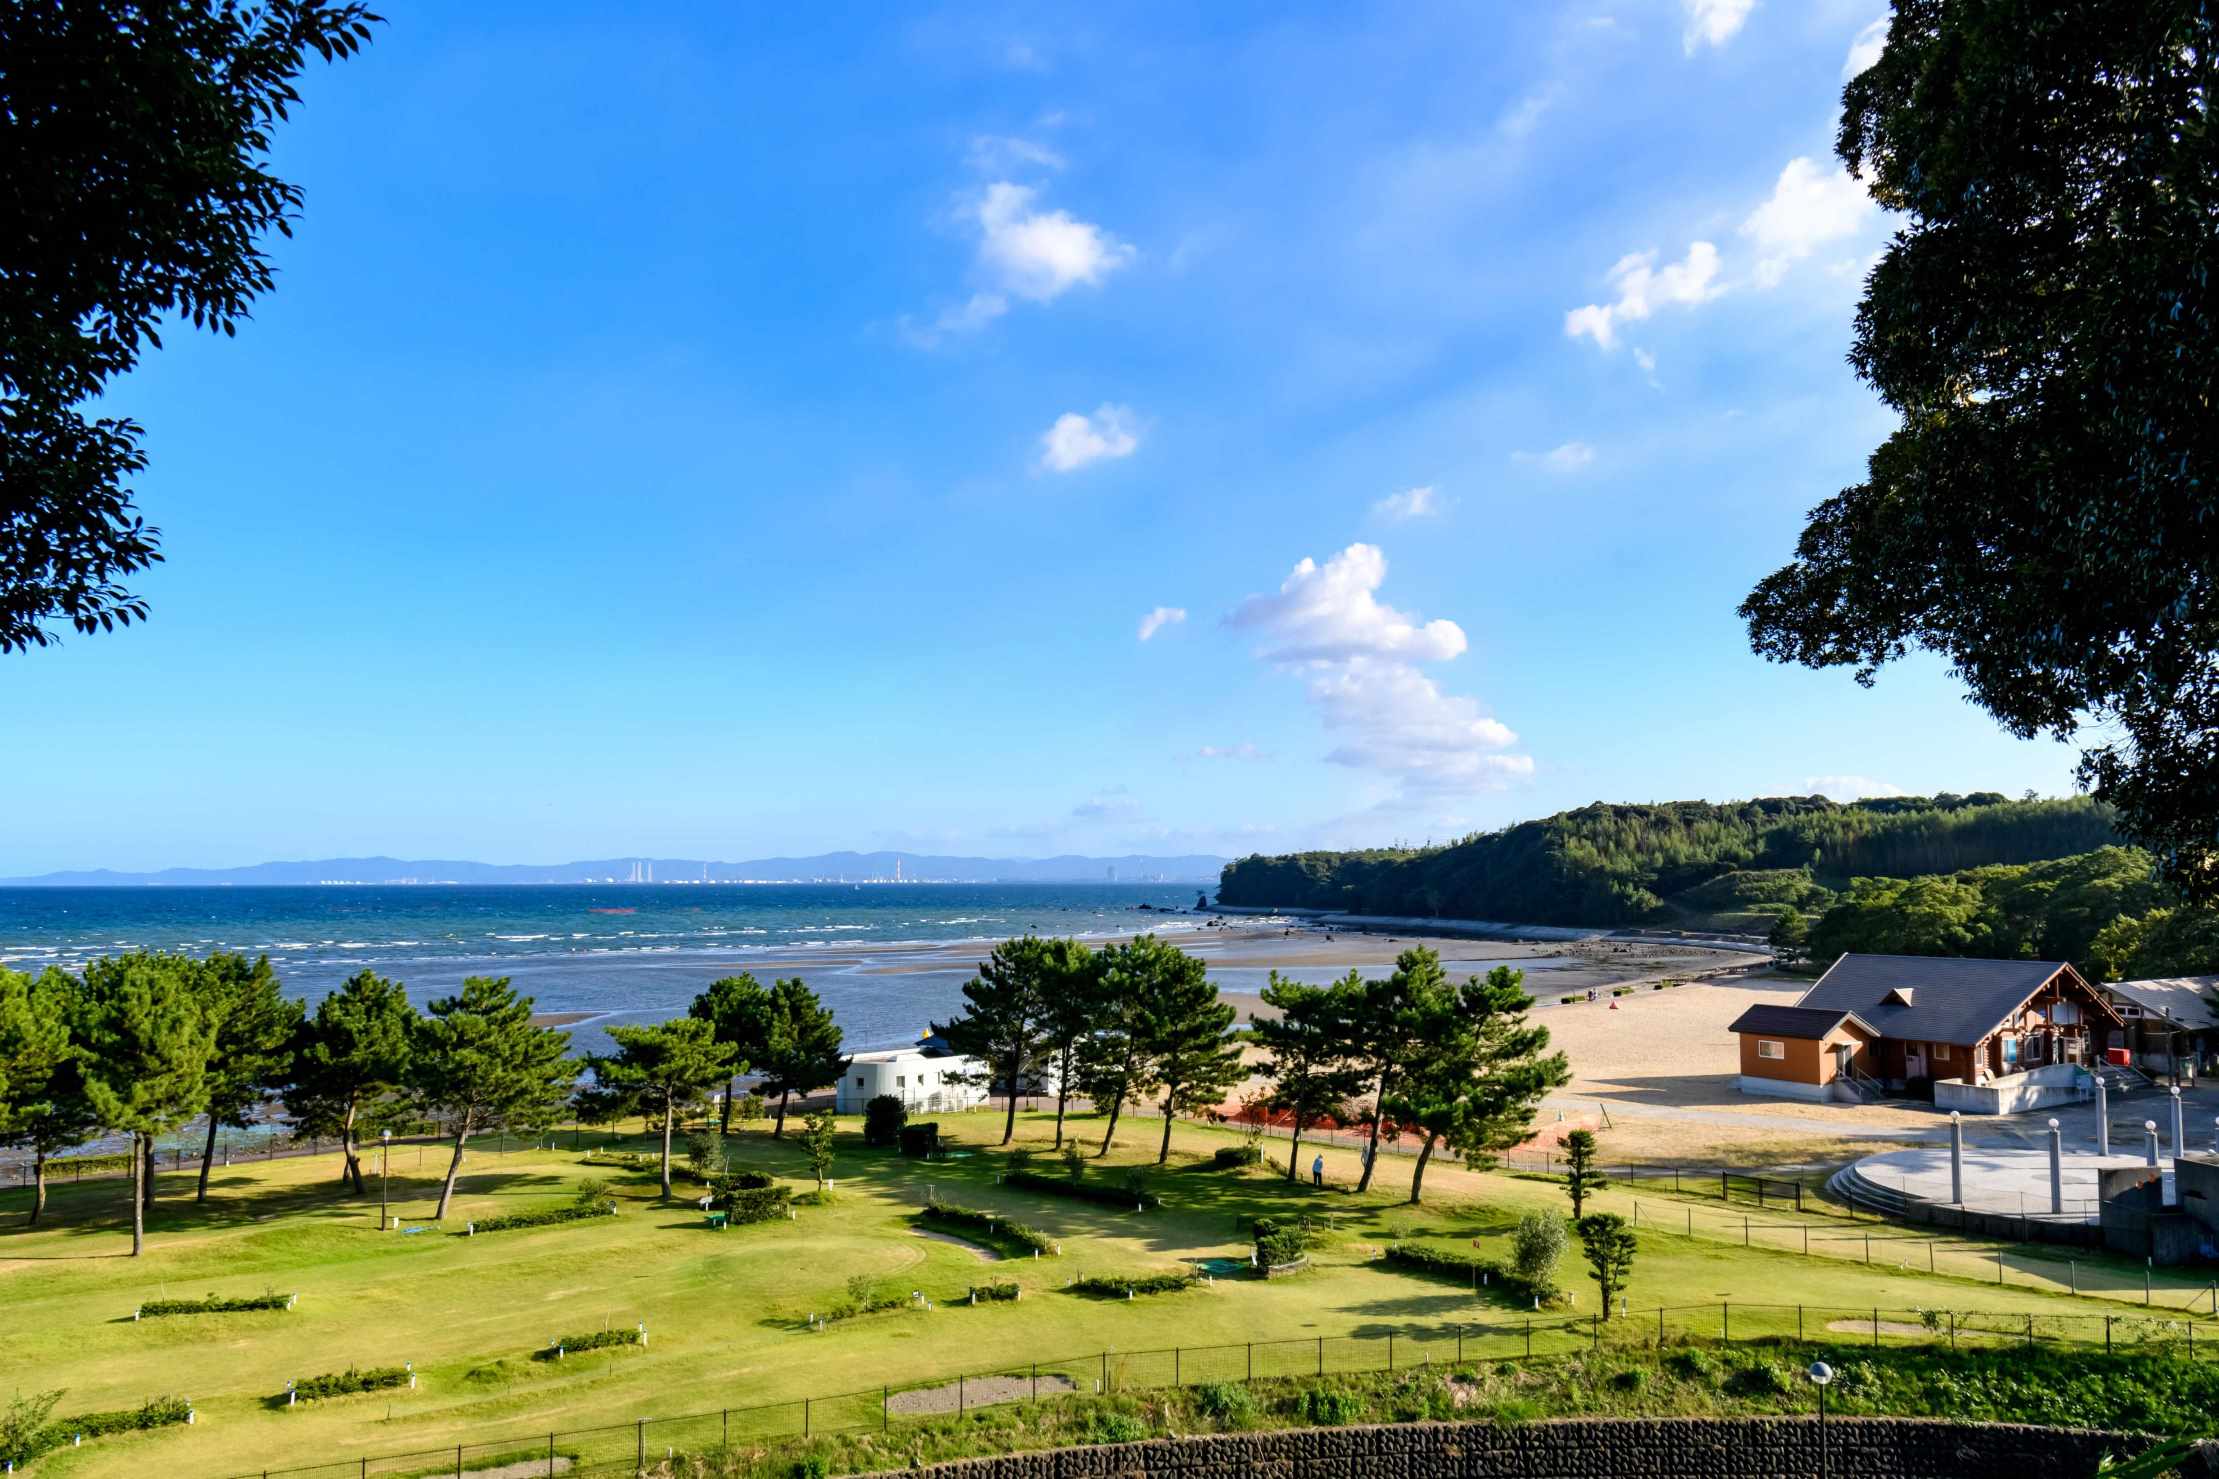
(2056, 1169)
(2103, 1117)
(2149, 1135)
(2180, 1139)
(385, 1161)
(1956, 1158)
(1820, 1374)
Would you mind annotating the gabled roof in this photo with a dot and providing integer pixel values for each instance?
(1800, 1022)
(2185, 1001)
(1953, 1000)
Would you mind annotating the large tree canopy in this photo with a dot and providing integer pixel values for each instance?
(2042, 322)
(134, 143)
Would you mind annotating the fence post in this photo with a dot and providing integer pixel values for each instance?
(1178, 1364)
(1799, 1322)
(1876, 1327)
(725, 1414)
(2145, 1283)
(885, 1405)
(458, 1461)
(1036, 1381)
(1660, 1327)
(1321, 1355)
(2030, 1332)
(959, 1394)
(1725, 1321)
(639, 1445)
(551, 1455)
(1744, 1232)
(1595, 1332)
(2107, 1335)
(805, 1403)
(1390, 1350)
(1252, 1356)
(1529, 1337)
(1459, 1353)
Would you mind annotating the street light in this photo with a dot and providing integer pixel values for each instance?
(385, 1159)
(1820, 1374)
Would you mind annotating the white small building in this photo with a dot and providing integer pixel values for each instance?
(919, 1077)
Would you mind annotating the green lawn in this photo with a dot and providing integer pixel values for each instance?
(727, 1312)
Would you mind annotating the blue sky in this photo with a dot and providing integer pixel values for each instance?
(731, 430)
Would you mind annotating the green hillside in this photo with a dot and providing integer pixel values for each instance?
(1682, 863)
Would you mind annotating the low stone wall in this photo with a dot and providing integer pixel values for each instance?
(1718, 1448)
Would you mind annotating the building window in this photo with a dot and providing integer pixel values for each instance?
(1941, 1052)
(859, 1080)
(900, 1082)
(1767, 1048)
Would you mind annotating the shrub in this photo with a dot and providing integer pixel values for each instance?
(1125, 1196)
(1441, 1261)
(591, 1340)
(704, 1154)
(345, 1383)
(1632, 1379)
(1019, 1159)
(988, 1227)
(1114, 1427)
(757, 1204)
(1281, 1243)
(1568, 1000)
(919, 1141)
(1621, 991)
(750, 1107)
(1329, 1407)
(1535, 1247)
(1234, 1157)
(1074, 1161)
(1692, 1365)
(580, 1210)
(25, 1432)
(991, 1293)
(1117, 1286)
(811, 1466)
(1227, 1403)
(738, 1181)
(215, 1305)
(883, 1118)
(1756, 1377)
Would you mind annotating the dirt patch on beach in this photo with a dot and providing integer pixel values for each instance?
(978, 1391)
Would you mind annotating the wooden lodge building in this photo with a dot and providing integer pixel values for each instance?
(1905, 1024)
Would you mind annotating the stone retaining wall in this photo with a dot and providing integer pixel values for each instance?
(1669, 1448)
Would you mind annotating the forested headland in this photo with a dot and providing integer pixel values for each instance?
(1725, 865)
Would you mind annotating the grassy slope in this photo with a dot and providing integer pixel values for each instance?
(725, 1310)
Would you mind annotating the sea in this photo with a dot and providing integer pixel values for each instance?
(888, 958)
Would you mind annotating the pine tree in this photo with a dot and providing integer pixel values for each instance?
(1074, 1009)
(1389, 1032)
(477, 1060)
(1311, 1078)
(662, 1068)
(817, 1140)
(1582, 1178)
(255, 1025)
(349, 1059)
(147, 1042)
(1001, 1024)
(1610, 1246)
(1181, 1025)
(1113, 1062)
(740, 1010)
(802, 1052)
(1481, 1073)
(41, 1093)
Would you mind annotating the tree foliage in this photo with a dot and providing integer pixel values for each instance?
(1181, 1025)
(255, 1023)
(1582, 1177)
(801, 1052)
(135, 138)
(2042, 323)
(739, 1010)
(1479, 1071)
(1307, 1044)
(1002, 1024)
(146, 1040)
(661, 1068)
(349, 1060)
(479, 1062)
(1610, 1245)
(1626, 864)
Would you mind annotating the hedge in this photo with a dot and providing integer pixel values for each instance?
(592, 1340)
(78, 1165)
(347, 1382)
(1461, 1266)
(1233, 1157)
(759, 1204)
(1117, 1286)
(545, 1217)
(215, 1304)
(988, 1227)
(732, 1181)
(159, 1412)
(1108, 1196)
(995, 1292)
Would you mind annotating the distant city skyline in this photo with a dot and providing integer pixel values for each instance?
(978, 431)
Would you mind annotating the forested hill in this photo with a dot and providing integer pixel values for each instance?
(1726, 865)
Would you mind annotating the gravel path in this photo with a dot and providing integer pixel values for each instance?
(977, 1391)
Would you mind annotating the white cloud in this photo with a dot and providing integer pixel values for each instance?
(999, 154)
(1526, 114)
(1865, 50)
(1713, 22)
(1359, 660)
(1115, 804)
(1242, 751)
(1849, 787)
(1040, 255)
(1570, 457)
(1410, 503)
(1163, 616)
(1648, 364)
(1327, 613)
(1076, 440)
(1809, 207)
(1643, 287)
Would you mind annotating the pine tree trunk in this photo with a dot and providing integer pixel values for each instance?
(724, 1126)
(1170, 1107)
(138, 1198)
(207, 1161)
(1063, 1095)
(152, 1165)
(1294, 1151)
(670, 1110)
(1417, 1176)
(1109, 1136)
(38, 1185)
(454, 1169)
(779, 1131)
(1009, 1120)
(350, 1146)
(1378, 1120)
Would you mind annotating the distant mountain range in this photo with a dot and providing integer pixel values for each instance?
(843, 867)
